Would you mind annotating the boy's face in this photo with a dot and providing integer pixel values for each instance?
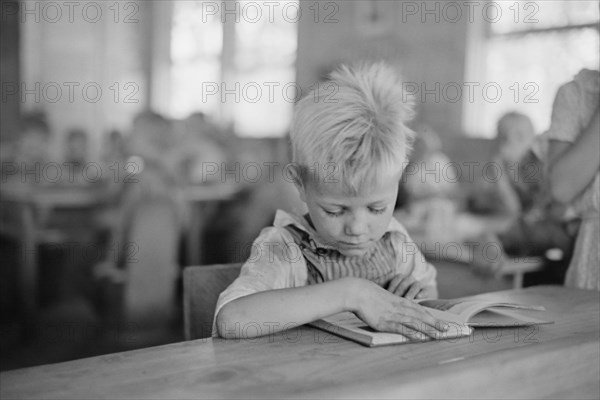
(350, 223)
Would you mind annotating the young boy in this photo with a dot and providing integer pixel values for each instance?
(349, 151)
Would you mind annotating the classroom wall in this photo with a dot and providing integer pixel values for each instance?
(426, 53)
(125, 51)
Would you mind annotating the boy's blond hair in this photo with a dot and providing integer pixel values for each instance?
(352, 127)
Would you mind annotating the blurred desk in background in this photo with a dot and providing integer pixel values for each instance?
(203, 200)
(32, 216)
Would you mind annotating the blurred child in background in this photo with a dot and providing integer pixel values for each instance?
(149, 173)
(76, 153)
(24, 159)
(113, 163)
(113, 150)
(511, 213)
(201, 151)
(32, 148)
(524, 220)
(425, 196)
(77, 147)
(497, 198)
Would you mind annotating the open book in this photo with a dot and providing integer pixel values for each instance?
(478, 313)
(460, 314)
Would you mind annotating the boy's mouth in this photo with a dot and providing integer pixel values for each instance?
(357, 245)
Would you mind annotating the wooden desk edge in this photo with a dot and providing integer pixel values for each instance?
(535, 371)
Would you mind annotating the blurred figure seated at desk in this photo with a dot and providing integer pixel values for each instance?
(529, 223)
(508, 217)
(113, 149)
(201, 151)
(24, 167)
(76, 154)
(113, 160)
(146, 223)
(426, 204)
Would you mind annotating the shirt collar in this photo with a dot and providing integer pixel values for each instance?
(283, 219)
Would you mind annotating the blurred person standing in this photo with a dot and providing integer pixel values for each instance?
(574, 173)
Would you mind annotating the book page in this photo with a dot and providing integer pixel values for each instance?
(467, 309)
(495, 317)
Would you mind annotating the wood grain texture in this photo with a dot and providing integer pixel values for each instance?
(557, 360)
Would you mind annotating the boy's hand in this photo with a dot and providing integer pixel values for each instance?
(408, 287)
(385, 312)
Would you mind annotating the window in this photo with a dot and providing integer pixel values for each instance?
(196, 48)
(525, 56)
(235, 61)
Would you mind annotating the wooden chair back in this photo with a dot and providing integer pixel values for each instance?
(202, 286)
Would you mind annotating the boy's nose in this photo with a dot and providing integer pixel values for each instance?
(356, 227)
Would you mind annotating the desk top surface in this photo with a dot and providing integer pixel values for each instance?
(548, 360)
(75, 196)
(214, 192)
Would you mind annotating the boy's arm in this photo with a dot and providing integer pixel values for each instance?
(573, 166)
(280, 309)
(511, 205)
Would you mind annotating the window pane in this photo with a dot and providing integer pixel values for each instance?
(196, 47)
(516, 16)
(529, 70)
(265, 57)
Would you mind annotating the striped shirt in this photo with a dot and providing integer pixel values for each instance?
(291, 254)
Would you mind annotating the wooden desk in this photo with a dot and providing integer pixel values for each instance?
(558, 360)
(25, 215)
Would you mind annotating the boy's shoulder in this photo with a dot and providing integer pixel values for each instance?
(398, 231)
(278, 232)
(284, 218)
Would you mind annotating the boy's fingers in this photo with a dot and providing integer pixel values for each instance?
(412, 333)
(414, 289)
(403, 287)
(421, 315)
(393, 285)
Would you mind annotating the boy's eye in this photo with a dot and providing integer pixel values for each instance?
(378, 210)
(334, 213)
